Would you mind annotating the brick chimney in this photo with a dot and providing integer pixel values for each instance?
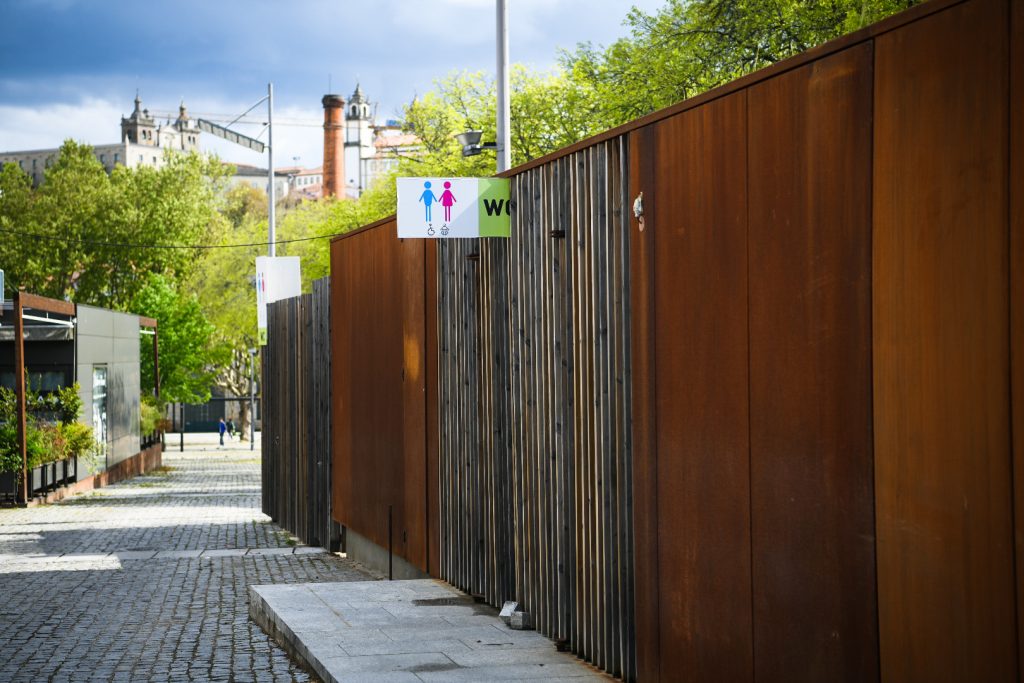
(334, 146)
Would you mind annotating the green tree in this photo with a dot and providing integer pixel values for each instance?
(85, 236)
(187, 348)
(548, 111)
(689, 46)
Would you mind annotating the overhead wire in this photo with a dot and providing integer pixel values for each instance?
(131, 245)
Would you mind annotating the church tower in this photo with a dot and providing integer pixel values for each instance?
(140, 127)
(187, 130)
(358, 141)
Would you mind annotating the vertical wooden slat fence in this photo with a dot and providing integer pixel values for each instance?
(534, 391)
(297, 416)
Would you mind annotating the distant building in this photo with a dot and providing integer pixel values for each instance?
(304, 183)
(143, 142)
(372, 149)
(256, 177)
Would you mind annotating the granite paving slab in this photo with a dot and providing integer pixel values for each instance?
(421, 630)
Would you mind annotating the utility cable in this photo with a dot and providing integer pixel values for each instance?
(129, 245)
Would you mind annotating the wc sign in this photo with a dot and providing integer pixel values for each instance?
(453, 207)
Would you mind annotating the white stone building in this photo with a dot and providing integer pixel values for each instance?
(372, 150)
(143, 142)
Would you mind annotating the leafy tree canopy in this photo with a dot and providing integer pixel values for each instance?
(82, 235)
(86, 236)
(689, 46)
(188, 352)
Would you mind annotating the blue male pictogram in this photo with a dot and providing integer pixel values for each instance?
(427, 198)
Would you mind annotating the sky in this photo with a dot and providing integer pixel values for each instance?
(70, 68)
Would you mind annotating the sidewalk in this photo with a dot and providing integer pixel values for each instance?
(146, 580)
(420, 631)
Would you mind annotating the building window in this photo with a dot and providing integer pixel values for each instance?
(103, 158)
(21, 164)
(115, 157)
(140, 158)
(34, 164)
(99, 406)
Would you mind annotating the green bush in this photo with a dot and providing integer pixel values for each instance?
(79, 439)
(10, 455)
(45, 441)
(69, 403)
(150, 415)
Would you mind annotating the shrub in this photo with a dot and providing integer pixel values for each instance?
(79, 438)
(10, 457)
(150, 415)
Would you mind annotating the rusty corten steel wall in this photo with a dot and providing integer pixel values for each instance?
(943, 464)
(534, 403)
(296, 445)
(774, 435)
(381, 305)
(824, 358)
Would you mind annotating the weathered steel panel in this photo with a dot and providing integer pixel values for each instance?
(699, 233)
(1017, 300)
(811, 476)
(379, 371)
(647, 627)
(943, 475)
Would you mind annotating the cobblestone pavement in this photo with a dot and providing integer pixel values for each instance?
(146, 580)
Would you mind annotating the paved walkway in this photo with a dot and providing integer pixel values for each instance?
(146, 580)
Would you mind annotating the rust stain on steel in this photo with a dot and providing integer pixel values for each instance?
(941, 373)
(811, 456)
(642, 147)
(1017, 297)
(699, 227)
(378, 321)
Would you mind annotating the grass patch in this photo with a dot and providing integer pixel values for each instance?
(162, 471)
(286, 538)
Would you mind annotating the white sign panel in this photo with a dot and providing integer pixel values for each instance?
(276, 278)
(453, 207)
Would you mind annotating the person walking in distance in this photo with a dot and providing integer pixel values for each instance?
(222, 427)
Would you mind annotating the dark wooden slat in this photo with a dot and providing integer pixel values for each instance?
(941, 372)
(533, 467)
(700, 308)
(431, 367)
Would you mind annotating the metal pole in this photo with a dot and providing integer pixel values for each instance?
(181, 427)
(270, 166)
(19, 387)
(252, 399)
(504, 108)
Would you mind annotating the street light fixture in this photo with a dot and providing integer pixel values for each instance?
(470, 141)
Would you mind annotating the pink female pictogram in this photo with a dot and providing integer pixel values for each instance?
(447, 199)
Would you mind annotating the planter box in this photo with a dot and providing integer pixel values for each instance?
(52, 475)
(8, 485)
(36, 479)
